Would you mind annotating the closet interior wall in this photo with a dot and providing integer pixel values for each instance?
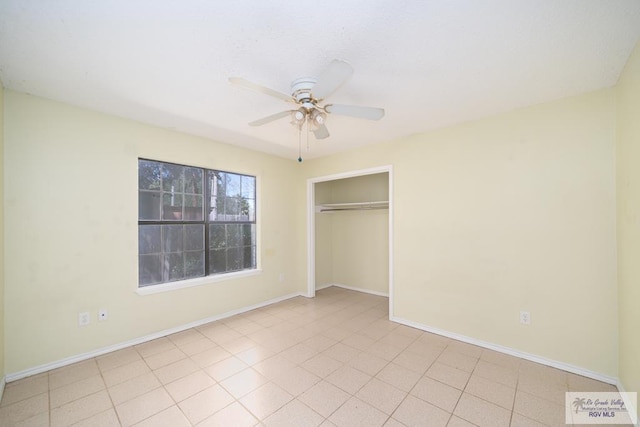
(352, 246)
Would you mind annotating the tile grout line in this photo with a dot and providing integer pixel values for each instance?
(107, 390)
(465, 387)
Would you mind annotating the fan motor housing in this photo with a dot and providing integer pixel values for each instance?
(301, 88)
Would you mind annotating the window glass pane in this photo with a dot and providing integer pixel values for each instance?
(148, 206)
(248, 187)
(248, 210)
(217, 261)
(249, 257)
(149, 239)
(193, 264)
(149, 269)
(173, 267)
(193, 237)
(231, 209)
(217, 236)
(216, 180)
(232, 184)
(173, 178)
(234, 259)
(173, 239)
(192, 207)
(248, 235)
(243, 209)
(193, 180)
(234, 235)
(149, 175)
(172, 206)
(217, 212)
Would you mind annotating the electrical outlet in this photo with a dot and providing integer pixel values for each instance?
(84, 318)
(281, 277)
(102, 315)
(525, 317)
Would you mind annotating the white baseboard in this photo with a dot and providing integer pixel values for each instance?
(353, 288)
(99, 352)
(2, 384)
(510, 351)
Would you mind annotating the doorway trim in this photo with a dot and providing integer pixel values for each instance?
(311, 225)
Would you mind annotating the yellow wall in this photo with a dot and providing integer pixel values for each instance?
(2, 370)
(509, 213)
(360, 255)
(628, 186)
(71, 202)
(352, 248)
(364, 188)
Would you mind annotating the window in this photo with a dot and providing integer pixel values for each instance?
(193, 222)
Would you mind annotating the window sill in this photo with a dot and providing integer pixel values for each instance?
(182, 284)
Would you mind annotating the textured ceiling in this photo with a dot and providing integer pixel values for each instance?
(428, 63)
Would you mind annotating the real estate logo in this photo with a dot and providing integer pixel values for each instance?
(600, 408)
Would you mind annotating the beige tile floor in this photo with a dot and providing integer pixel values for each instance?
(331, 360)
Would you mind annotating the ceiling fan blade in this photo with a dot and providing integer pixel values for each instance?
(321, 132)
(258, 88)
(369, 113)
(271, 118)
(334, 76)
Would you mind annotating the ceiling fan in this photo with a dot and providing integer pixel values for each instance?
(308, 93)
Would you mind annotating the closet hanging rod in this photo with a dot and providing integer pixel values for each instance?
(334, 207)
(358, 208)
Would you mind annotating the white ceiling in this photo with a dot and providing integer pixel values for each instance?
(428, 63)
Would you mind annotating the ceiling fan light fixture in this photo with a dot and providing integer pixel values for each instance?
(298, 116)
(317, 117)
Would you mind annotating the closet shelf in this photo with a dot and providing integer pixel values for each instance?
(357, 206)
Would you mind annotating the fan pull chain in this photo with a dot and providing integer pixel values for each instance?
(308, 134)
(300, 144)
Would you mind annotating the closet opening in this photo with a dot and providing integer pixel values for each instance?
(350, 232)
